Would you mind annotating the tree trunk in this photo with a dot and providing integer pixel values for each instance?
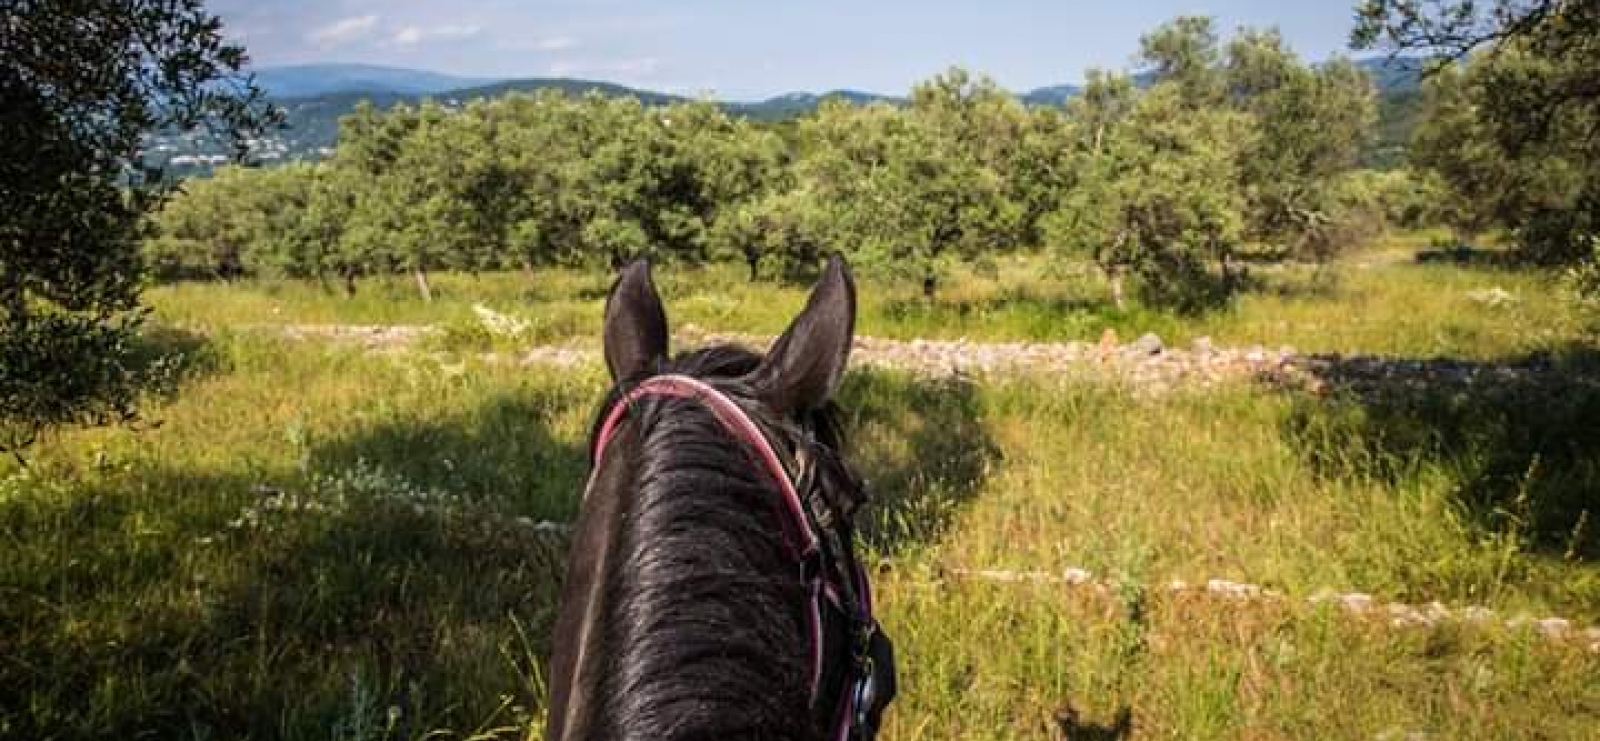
(229, 263)
(422, 284)
(1114, 275)
(929, 285)
(349, 283)
(13, 306)
(1115, 270)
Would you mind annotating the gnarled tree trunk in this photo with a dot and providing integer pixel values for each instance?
(422, 284)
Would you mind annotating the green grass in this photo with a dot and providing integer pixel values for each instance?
(1375, 301)
(308, 541)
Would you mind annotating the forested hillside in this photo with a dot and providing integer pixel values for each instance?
(314, 98)
(1215, 153)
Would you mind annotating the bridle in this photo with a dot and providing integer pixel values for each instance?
(835, 581)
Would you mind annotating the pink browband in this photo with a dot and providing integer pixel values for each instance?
(734, 419)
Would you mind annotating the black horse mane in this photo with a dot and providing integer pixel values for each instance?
(701, 523)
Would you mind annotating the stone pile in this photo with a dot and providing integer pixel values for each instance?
(1395, 614)
(367, 336)
(1146, 363)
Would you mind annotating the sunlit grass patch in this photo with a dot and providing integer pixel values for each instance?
(1377, 300)
(1011, 661)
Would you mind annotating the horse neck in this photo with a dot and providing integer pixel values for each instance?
(683, 607)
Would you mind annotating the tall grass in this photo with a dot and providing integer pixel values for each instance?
(1375, 301)
(308, 541)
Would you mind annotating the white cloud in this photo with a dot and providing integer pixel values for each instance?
(416, 35)
(555, 43)
(408, 35)
(615, 70)
(343, 31)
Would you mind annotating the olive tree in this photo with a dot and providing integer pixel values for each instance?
(1159, 201)
(1524, 111)
(80, 82)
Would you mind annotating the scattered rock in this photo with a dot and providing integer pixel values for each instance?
(1493, 298)
(1077, 576)
(1323, 595)
(1400, 734)
(1400, 615)
(1553, 627)
(1232, 589)
(1147, 366)
(1477, 614)
(1356, 601)
(1147, 344)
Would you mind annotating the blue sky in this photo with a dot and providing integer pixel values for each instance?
(747, 49)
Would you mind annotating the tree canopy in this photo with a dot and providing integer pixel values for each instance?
(1513, 113)
(80, 82)
(1236, 145)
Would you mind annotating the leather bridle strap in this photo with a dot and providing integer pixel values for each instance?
(732, 417)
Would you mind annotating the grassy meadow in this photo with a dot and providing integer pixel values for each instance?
(306, 540)
(1424, 310)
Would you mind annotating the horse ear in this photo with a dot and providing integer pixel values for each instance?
(635, 325)
(804, 367)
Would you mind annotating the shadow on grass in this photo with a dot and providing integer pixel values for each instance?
(1464, 255)
(1019, 314)
(1009, 300)
(1520, 437)
(1321, 283)
(924, 450)
(385, 586)
(501, 452)
(1070, 728)
(390, 614)
(166, 358)
(380, 593)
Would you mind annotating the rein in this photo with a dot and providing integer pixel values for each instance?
(815, 547)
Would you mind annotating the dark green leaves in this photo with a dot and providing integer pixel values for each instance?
(80, 82)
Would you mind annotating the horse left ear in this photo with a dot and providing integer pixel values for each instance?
(635, 334)
(804, 367)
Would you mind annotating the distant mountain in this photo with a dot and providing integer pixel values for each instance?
(314, 97)
(1054, 95)
(1397, 75)
(308, 80)
(564, 84)
(1399, 83)
(313, 121)
(793, 105)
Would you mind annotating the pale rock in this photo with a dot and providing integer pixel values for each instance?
(1356, 601)
(1147, 344)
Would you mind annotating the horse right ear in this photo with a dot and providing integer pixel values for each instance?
(635, 325)
(805, 365)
